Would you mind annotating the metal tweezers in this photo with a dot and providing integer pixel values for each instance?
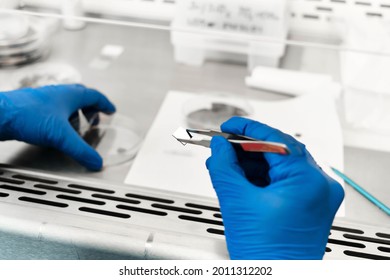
(186, 136)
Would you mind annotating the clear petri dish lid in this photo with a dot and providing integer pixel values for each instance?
(13, 27)
(116, 138)
(210, 109)
(37, 29)
(45, 73)
(32, 46)
(22, 59)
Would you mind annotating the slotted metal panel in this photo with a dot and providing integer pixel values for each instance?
(142, 223)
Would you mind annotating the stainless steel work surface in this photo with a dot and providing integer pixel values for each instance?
(118, 221)
(137, 83)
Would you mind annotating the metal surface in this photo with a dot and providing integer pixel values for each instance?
(141, 223)
(122, 220)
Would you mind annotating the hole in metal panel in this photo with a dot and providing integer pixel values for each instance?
(216, 215)
(44, 202)
(34, 179)
(86, 188)
(384, 249)
(367, 239)
(11, 181)
(215, 231)
(203, 207)
(178, 209)
(362, 3)
(3, 194)
(374, 14)
(365, 255)
(57, 189)
(19, 189)
(104, 212)
(311, 16)
(346, 243)
(350, 230)
(200, 220)
(156, 199)
(115, 198)
(80, 199)
(328, 250)
(142, 210)
(325, 9)
(383, 235)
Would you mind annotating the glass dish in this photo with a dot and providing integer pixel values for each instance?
(116, 138)
(210, 110)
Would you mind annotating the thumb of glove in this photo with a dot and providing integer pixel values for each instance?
(74, 146)
(224, 167)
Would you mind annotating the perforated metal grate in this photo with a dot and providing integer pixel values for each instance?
(117, 209)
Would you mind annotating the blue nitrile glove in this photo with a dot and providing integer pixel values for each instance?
(273, 206)
(40, 116)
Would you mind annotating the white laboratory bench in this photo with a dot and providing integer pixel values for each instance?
(137, 83)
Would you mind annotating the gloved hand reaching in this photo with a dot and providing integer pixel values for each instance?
(273, 206)
(40, 116)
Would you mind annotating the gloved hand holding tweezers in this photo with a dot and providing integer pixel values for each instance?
(247, 144)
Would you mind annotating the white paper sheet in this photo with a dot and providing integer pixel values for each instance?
(164, 163)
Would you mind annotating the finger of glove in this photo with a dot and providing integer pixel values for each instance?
(336, 195)
(87, 97)
(74, 121)
(74, 146)
(92, 115)
(335, 189)
(225, 171)
(257, 130)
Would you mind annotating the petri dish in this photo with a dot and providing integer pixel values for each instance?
(24, 40)
(116, 138)
(210, 110)
(13, 27)
(42, 74)
(22, 59)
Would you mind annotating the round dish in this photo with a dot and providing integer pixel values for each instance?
(210, 110)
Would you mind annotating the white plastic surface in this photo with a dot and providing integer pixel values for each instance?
(288, 82)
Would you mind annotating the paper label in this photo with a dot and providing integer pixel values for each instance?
(254, 17)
